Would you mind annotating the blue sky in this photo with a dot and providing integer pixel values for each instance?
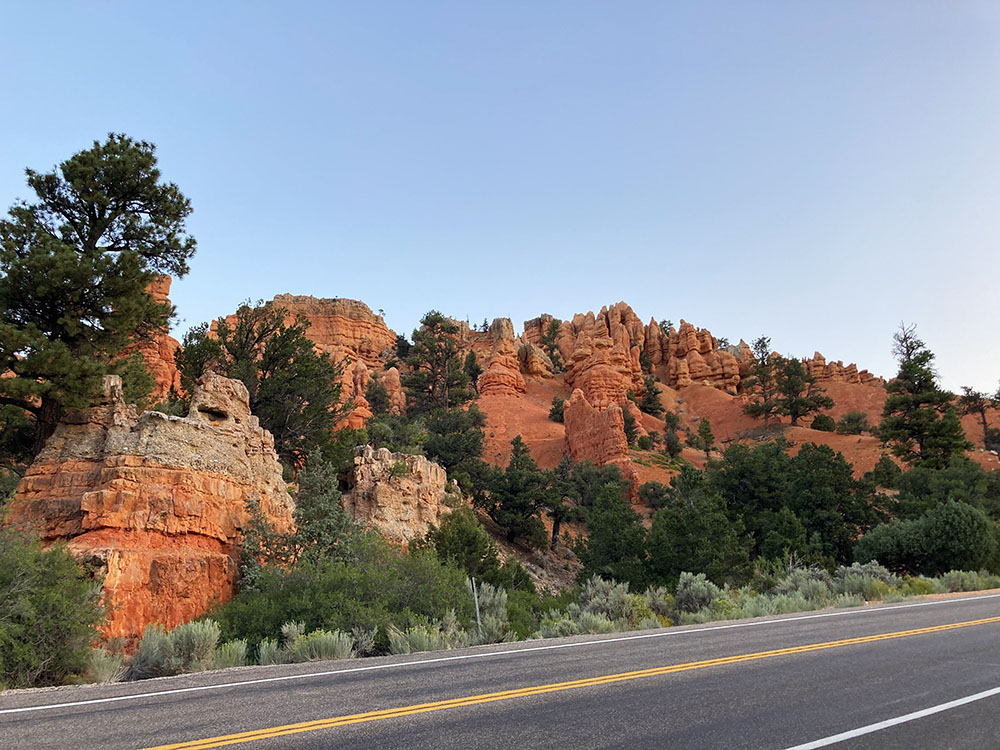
(813, 171)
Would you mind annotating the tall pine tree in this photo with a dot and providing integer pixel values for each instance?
(74, 269)
(919, 423)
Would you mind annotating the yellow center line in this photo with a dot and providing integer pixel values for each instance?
(472, 700)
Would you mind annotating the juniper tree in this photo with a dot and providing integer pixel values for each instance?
(75, 265)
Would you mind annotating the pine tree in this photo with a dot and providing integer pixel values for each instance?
(919, 424)
(978, 403)
(798, 395)
(763, 381)
(437, 377)
(294, 390)
(703, 440)
(74, 269)
(650, 402)
(615, 546)
(549, 345)
(472, 369)
(517, 494)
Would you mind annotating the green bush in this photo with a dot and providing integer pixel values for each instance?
(193, 644)
(695, 592)
(967, 580)
(365, 640)
(154, 657)
(231, 654)
(950, 536)
(654, 494)
(787, 603)
(848, 600)
(723, 609)
(644, 443)
(918, 586)
(853, 423)
(269, 652)
(824, 423)
(416, 639)
(322, 645)
(757, 605)
(378, 587)
(660, 601)
(49, 610)
(556, 412)
(872, 569)
(105, 666)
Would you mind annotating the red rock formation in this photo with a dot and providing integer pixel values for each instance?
(391, 382)
(598, 435)
(693, 356)
(354, 383)
(399, 494)
(343, 328)
(158, 501)
(158, 352)
(603, 362)
(824, 371)
(502, 375)
(533, 361)
(346, 330)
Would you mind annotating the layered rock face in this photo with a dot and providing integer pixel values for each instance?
(158, 502)
(502, 374)
(342, 327)
(598, 435)
(158, 352)
(837, 372)
(399, 494)
(346, 330)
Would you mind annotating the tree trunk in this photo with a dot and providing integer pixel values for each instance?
(556, 523)
(46, 421)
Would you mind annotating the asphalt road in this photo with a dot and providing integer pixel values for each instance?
(773, 683)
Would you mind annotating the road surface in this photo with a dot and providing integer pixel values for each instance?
(922, 674)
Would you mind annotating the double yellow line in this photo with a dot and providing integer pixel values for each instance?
(472, 700)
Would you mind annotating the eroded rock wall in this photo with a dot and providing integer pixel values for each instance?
(399, 494)
(159, 502)
(598, 435)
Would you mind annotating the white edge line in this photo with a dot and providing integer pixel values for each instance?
(835, 738)
(397, 665)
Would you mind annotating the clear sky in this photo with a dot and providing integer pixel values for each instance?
(813, 171)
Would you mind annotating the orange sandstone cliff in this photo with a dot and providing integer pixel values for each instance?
(158, 502)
